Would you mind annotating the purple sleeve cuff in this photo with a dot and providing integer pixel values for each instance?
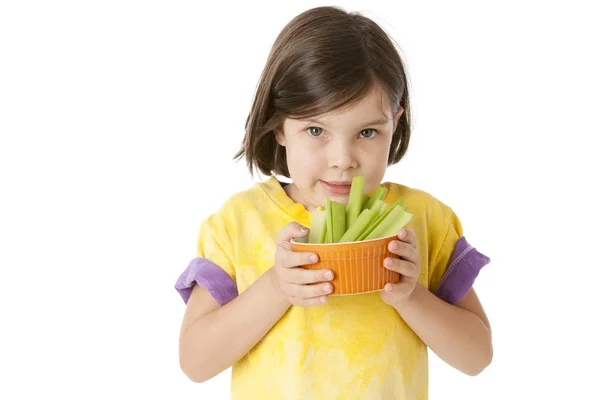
(461, 273)
(209, 276)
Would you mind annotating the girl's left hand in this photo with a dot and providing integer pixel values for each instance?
(408, 266)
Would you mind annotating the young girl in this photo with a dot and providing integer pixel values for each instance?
(332, 104)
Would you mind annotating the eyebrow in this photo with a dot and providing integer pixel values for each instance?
(380, 121)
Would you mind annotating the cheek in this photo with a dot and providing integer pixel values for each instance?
(374, 178)
(304, 162)
(374, 164)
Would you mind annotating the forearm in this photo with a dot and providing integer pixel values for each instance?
(220, 338)
(456, 335)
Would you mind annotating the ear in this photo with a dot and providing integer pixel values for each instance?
(280, 137)
(397, 117)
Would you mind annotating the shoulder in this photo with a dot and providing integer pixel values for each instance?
(242, 224)
(257, 205)
(244, 200)
(432, 218)
(418, 201)
(238, 205)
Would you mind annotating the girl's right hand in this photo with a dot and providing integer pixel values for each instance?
(299, 286)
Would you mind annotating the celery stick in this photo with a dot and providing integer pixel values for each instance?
(363, 220)
(317, 220)
(380, 218)
(364, 200)
(379, 226)
(338, 215)
(372, 219)
(329, 217)
(355, 200)
(323, 237)
(401, 203)
(379, 207)
(391, 224)
(379, 194)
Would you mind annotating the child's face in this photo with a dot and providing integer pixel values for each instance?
(325, 153)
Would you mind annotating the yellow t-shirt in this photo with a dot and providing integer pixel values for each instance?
(354, 347)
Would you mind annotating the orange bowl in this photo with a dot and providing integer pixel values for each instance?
(357, 266)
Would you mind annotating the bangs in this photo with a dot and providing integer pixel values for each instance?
(315, 91)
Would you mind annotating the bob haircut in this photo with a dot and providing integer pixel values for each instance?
(323, 59)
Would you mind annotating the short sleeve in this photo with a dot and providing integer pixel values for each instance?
(212, 268)
(456, 265)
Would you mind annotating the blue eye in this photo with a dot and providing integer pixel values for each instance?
(315, 131)
(370, 133)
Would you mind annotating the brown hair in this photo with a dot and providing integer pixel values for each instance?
(323, 59)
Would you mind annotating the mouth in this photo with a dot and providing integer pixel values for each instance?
(337, 187)
(339, 183)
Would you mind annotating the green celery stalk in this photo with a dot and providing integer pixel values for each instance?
(372, 219)
(401, 203)
(378, 194)
(323, 237)
(338, 215)
(391, 224)
(317, 224)
(381, 217)
(355, 200)
(364, 200)
(362, 222)
(329, 218)
(379, 207)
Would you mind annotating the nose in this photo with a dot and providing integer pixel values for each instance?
(341, 155)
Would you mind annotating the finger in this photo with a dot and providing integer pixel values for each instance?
(309, 291)
(405, 268)
(303, 276)
(404, 250)
(397, 288)
(315, 301)
(408, 236)
(290, 231)
(292, 259)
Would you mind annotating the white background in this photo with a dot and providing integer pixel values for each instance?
(118, 122)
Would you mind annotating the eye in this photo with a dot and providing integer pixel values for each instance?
(368, 133)
(315, 131)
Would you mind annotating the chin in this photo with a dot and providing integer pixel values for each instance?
(340, 198)
(336, 197)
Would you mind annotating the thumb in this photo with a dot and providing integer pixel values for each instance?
(291, 231)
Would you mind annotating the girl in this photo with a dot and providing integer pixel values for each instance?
(332, 103)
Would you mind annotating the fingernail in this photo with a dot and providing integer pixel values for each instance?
(304, 229)
(388, 262)
(329, 275)
(323, 300)
(314, 258)
(327, 288)
(388, 288)
(394, 246)
(402, 234)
